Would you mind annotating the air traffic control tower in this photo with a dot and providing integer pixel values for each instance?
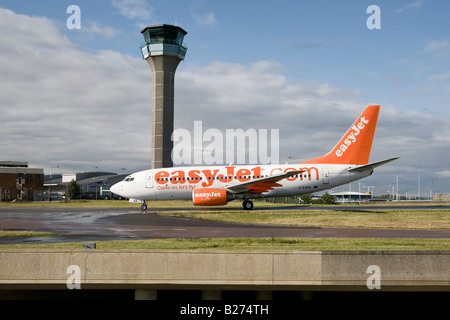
(163, 50)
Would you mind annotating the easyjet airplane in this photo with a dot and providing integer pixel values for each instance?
(217, 185)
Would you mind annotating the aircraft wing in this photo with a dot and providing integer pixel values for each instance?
(260, 185)
(372, 165)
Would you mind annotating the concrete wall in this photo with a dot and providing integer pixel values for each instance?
(224, 270)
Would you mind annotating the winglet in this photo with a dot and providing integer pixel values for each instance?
(354, 147)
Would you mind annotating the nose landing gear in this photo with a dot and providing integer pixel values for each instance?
(144, 206)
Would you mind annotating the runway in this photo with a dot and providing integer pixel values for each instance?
(97, 224)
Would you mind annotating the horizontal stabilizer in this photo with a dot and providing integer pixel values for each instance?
(372, 165)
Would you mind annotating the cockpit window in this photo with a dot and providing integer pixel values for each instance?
(128, 179)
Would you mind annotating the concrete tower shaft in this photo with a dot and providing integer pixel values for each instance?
(163, 72)
(163, 50)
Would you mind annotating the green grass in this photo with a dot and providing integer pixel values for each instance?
(24, 233)
(303, 244)
(386, 219)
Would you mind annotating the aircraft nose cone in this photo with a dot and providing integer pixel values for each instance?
(116, 188)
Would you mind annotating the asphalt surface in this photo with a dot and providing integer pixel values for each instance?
(97, 224)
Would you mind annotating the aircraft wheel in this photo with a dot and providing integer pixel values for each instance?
(248, 205)
(144, 207)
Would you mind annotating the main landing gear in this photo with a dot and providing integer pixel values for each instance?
(247, 204)
(144, 206)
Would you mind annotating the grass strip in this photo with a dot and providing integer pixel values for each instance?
(25, 233)
(303, 244)
(436, 219)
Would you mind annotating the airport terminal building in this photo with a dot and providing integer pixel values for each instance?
(93, 185)
(19, 182)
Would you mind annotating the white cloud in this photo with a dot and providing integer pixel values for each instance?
(198, 13)
(445, 173)
(97, 28)
(414, 5)
(64, 105)
(207, 19)
(134, 9)
(61, 106)
(437, 45)
(440, 76)
(310, 116)
(440, 48)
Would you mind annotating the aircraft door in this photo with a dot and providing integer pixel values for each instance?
(325, 176)
(149, 180)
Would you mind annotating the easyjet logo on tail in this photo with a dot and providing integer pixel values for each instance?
(352, 137)
(358, 137)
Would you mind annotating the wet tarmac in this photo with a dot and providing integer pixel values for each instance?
(98, 224)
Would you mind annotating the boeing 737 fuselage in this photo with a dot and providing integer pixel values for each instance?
(217, 185)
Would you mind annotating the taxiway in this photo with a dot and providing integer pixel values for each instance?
(97, 224)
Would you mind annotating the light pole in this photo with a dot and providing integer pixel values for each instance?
(418, 183)
(51, 171)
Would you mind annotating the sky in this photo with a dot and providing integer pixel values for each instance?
(80, 99)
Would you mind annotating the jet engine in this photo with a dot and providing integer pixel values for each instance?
(209, 197)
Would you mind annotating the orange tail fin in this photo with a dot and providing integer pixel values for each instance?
(354, 147)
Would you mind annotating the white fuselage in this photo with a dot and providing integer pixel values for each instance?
(216, 185)
(178, 183)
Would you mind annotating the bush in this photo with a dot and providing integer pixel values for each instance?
(306, 199)
(326, 199)
(74, 190)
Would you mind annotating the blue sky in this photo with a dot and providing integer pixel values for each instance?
(318, 57)
(313, 40)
